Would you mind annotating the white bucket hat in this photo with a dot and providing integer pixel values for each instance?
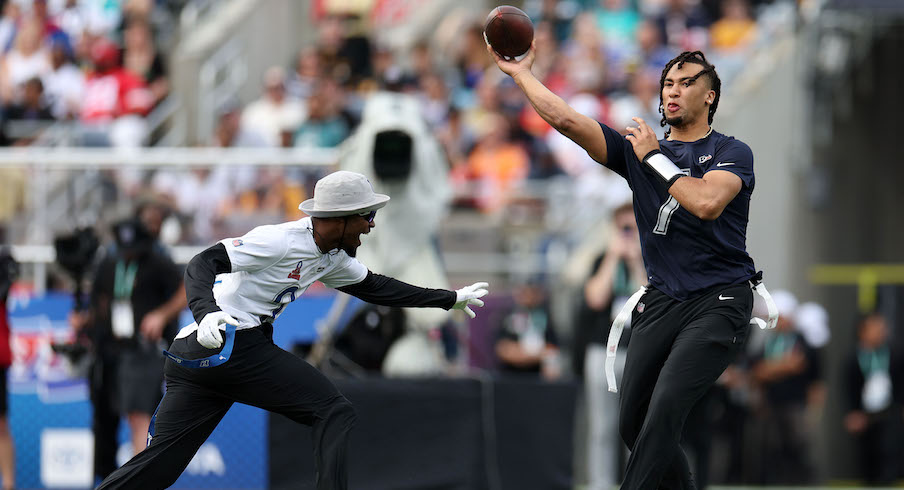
(343, 193)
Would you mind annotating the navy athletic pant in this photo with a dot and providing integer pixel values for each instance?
(259, 374)
(677, 351)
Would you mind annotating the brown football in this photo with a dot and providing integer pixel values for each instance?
(509, 31)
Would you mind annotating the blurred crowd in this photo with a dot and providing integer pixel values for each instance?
(99, 64)
(102, 64)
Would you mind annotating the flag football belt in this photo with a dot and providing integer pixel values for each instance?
(624, 314)
(209, 361)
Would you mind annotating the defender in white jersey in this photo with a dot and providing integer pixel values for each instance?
(236, 289)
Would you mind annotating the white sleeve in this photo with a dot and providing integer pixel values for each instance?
(346, 273)
(258, 249)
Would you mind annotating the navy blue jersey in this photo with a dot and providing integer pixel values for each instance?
(685, 255)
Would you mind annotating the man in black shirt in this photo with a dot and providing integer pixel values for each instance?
(874, 400)
(692, 194)
(136, 298)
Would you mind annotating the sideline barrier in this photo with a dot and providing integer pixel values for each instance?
(467, 434)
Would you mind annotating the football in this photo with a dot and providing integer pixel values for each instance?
(509, 31)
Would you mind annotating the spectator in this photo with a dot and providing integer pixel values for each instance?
(457, 140)
(479, 116)
(347, 56)
(51, 31)
(586, 67)
(874, 384)
(684, 26)
(434, 97)
(471, 60)
(64, 84)
(115, 100)
(784, 371)
(229, 132)
(230, 181)
(495, 166)
(309, 68)
(526, 341)
(25, 120)
(736, 29)
(27, 59)
(615, 275)
(388, 73)
(650, 53)
(141, 57)
(812, 321)
(558, 14)
(642, 100)
(200, 195)
(548, 64)
(12, 15)
(152, 13)
(324, 126)
(421, 59)
(618, 21)
(732, 400)
(9, 271)
(275, 115)
(136, 297)
(73, 19)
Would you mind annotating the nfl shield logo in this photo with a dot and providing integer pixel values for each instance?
(640, 307)
(237, 243)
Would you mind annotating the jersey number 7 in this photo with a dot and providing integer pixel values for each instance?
(666, 211)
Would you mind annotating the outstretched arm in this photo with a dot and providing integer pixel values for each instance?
(579, 128)
(386, 291)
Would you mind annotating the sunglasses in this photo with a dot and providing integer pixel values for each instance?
(369, 216)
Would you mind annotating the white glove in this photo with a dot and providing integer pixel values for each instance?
(209, 329)
(468, 295)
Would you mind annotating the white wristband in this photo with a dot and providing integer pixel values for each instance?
(663, 166)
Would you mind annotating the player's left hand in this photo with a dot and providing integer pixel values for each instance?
(152, 325)
(642, 138)
(468, 295)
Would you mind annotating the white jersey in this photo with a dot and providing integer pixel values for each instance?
(273, 265)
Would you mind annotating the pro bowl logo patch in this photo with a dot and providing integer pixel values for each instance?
(640, 307)
(296, 272)
(237, 243)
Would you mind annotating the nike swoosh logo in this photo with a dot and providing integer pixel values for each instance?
(724, 164)
(723, 298)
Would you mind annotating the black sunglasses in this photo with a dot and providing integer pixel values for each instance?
(369, 216)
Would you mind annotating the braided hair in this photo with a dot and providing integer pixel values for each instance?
(709, 71)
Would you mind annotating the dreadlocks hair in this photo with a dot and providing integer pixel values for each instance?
(696, 57)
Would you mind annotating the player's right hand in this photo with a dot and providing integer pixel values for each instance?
(209, 329)
(512, 68)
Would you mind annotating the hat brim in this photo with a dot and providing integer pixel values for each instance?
(377, 202)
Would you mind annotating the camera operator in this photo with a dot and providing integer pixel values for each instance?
(136, 297)
(9, 271)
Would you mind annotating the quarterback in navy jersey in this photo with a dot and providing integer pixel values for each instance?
(673, 237)
(692, 194)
